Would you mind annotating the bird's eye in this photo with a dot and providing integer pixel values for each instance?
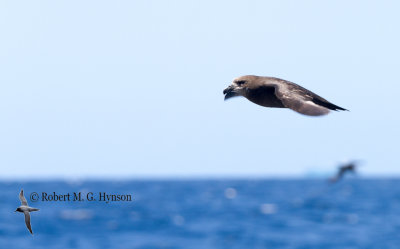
(240, 82)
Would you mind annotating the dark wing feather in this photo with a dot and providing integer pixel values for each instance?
(28, 221)
(302, 100)
(321, 101)
(299, 101)
(22, 198)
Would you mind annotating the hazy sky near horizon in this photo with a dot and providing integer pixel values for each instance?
(134, 88)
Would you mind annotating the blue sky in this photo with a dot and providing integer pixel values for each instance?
(134, 88)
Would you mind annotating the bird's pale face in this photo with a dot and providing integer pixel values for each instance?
(237, 88)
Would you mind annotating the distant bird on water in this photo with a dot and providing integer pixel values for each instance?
(275, 92)
(344, 169)
(24, 208)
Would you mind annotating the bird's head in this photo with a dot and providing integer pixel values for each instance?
(238, 86)
(18, 210)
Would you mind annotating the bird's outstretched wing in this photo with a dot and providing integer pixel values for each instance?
(302, 100)
(340, 173)
(28, 221)
(22, 198)
(304, 107)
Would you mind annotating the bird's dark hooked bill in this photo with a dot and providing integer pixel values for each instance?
(229, 92)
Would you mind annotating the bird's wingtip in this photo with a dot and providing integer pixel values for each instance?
(341, 109)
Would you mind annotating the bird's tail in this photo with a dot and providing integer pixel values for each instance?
(33, 209)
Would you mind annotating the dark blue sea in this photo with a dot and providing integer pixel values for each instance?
(353, 213)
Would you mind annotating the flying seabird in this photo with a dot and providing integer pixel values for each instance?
(344, 169)
(275, 92)
(24, 208)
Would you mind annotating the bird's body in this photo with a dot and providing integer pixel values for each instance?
(24, 208)
(279, 93)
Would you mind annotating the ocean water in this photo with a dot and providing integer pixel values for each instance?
(353, 213)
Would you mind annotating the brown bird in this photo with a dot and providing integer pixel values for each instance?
(275, 92)
(344, 169)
